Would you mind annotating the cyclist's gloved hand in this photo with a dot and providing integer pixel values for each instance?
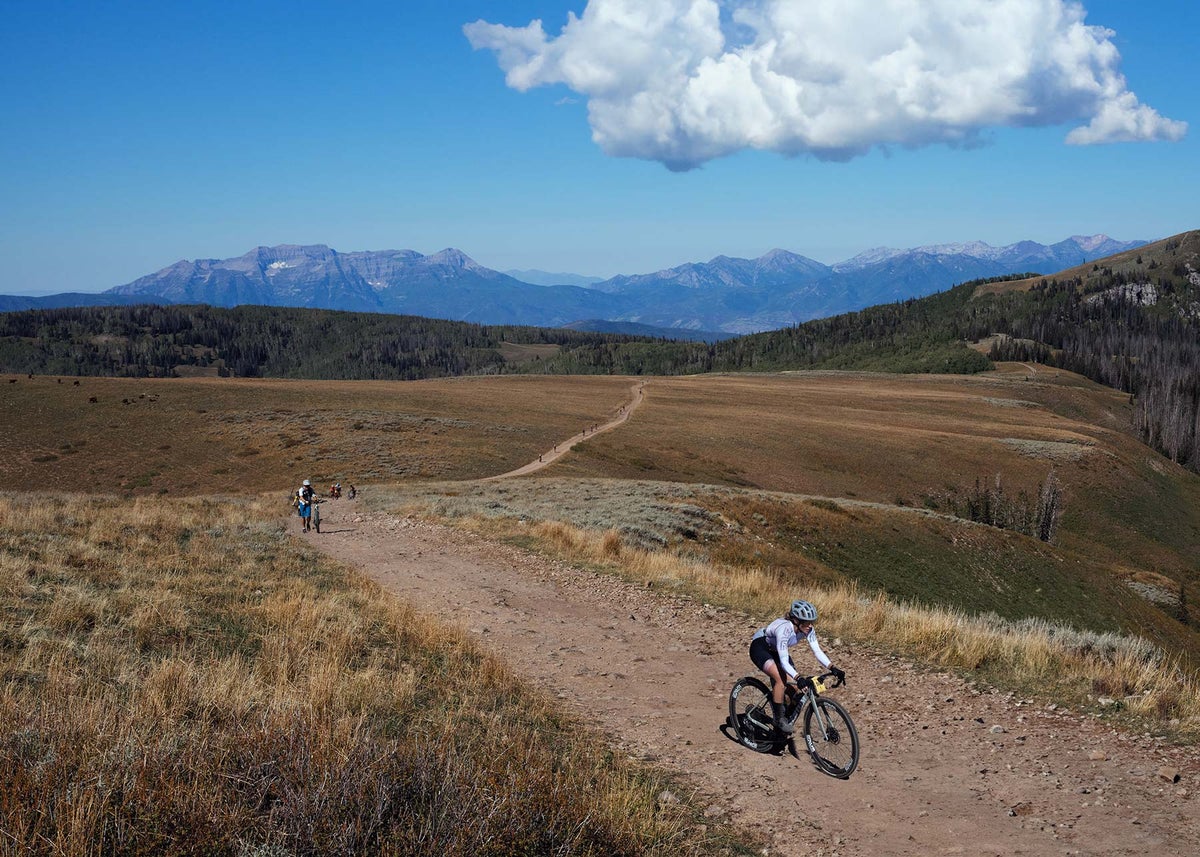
(839, 674)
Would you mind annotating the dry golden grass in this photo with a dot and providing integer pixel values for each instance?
(881, 438)
(188, 436)
(520, 352)
(1037, 657)
(1006, 286)
(180, 677)
(840, 434)
(885, 439)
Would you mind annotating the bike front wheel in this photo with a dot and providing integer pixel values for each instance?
(750, 715)
(831, 738)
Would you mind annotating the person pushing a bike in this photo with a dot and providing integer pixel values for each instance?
(769, 652)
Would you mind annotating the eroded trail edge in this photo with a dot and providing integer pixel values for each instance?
(946, 768)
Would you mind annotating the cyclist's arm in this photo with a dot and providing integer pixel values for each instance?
(822, 658)
(785, 658)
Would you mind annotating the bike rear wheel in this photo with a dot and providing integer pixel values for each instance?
(750, 715)
(831, 738)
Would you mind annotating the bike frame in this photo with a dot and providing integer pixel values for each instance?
(826, 723)
(795, 701)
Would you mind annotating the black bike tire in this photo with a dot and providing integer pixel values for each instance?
(833, 769)
(735, 714)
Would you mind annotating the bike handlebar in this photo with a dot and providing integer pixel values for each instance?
(806, 680)
(840, 681)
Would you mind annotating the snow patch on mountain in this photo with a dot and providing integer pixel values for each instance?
(1069, 252)
(1089, 242)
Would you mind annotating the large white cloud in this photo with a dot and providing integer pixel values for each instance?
(685, 81)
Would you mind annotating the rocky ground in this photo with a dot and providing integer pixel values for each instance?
(946, 767)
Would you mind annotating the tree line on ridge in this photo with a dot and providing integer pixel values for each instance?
(1133, 326)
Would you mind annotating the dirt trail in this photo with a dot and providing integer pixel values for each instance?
(946, 768)
(560, 449)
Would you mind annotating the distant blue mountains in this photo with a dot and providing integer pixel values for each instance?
(700, 300)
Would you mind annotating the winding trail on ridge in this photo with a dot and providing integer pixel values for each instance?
(946, 768)
(560, 449)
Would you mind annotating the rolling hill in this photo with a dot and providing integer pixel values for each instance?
(899, 455)
(1128, 321)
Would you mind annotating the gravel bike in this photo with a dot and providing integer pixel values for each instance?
(829, 734)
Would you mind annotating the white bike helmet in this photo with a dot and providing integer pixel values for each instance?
(802, 611)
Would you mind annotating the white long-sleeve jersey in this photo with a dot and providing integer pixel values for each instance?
(781, 635)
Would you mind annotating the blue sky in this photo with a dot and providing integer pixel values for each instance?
(134, 134)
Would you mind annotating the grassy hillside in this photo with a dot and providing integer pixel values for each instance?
(224, 435)
(908, 554)
(918, 441)
(1170, 264)
(1130, 528)
(1129, 532)
(1131, 322)
(181, 677)
(672, 543)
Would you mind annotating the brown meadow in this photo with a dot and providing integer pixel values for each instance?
(180, 676)
(242, 436)
(179, 670)
(911, 441)
(1132, 518)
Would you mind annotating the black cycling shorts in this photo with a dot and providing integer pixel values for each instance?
(761, 651)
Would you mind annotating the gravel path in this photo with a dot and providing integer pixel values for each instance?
(946, 768)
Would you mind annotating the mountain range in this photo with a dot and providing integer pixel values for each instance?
(697, 300)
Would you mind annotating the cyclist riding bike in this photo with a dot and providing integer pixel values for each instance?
(769, 652)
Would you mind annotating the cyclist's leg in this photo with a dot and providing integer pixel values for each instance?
(777, 681)
(767, 660)
(777, 689)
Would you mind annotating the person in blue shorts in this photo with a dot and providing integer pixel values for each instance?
(304, 504)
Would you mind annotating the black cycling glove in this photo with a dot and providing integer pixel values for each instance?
(839, 674)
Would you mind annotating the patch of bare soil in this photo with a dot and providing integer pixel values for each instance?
(946, 768)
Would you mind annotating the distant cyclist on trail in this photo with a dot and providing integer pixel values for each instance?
(769, 652)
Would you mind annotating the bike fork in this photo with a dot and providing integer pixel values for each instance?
(822, 721)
